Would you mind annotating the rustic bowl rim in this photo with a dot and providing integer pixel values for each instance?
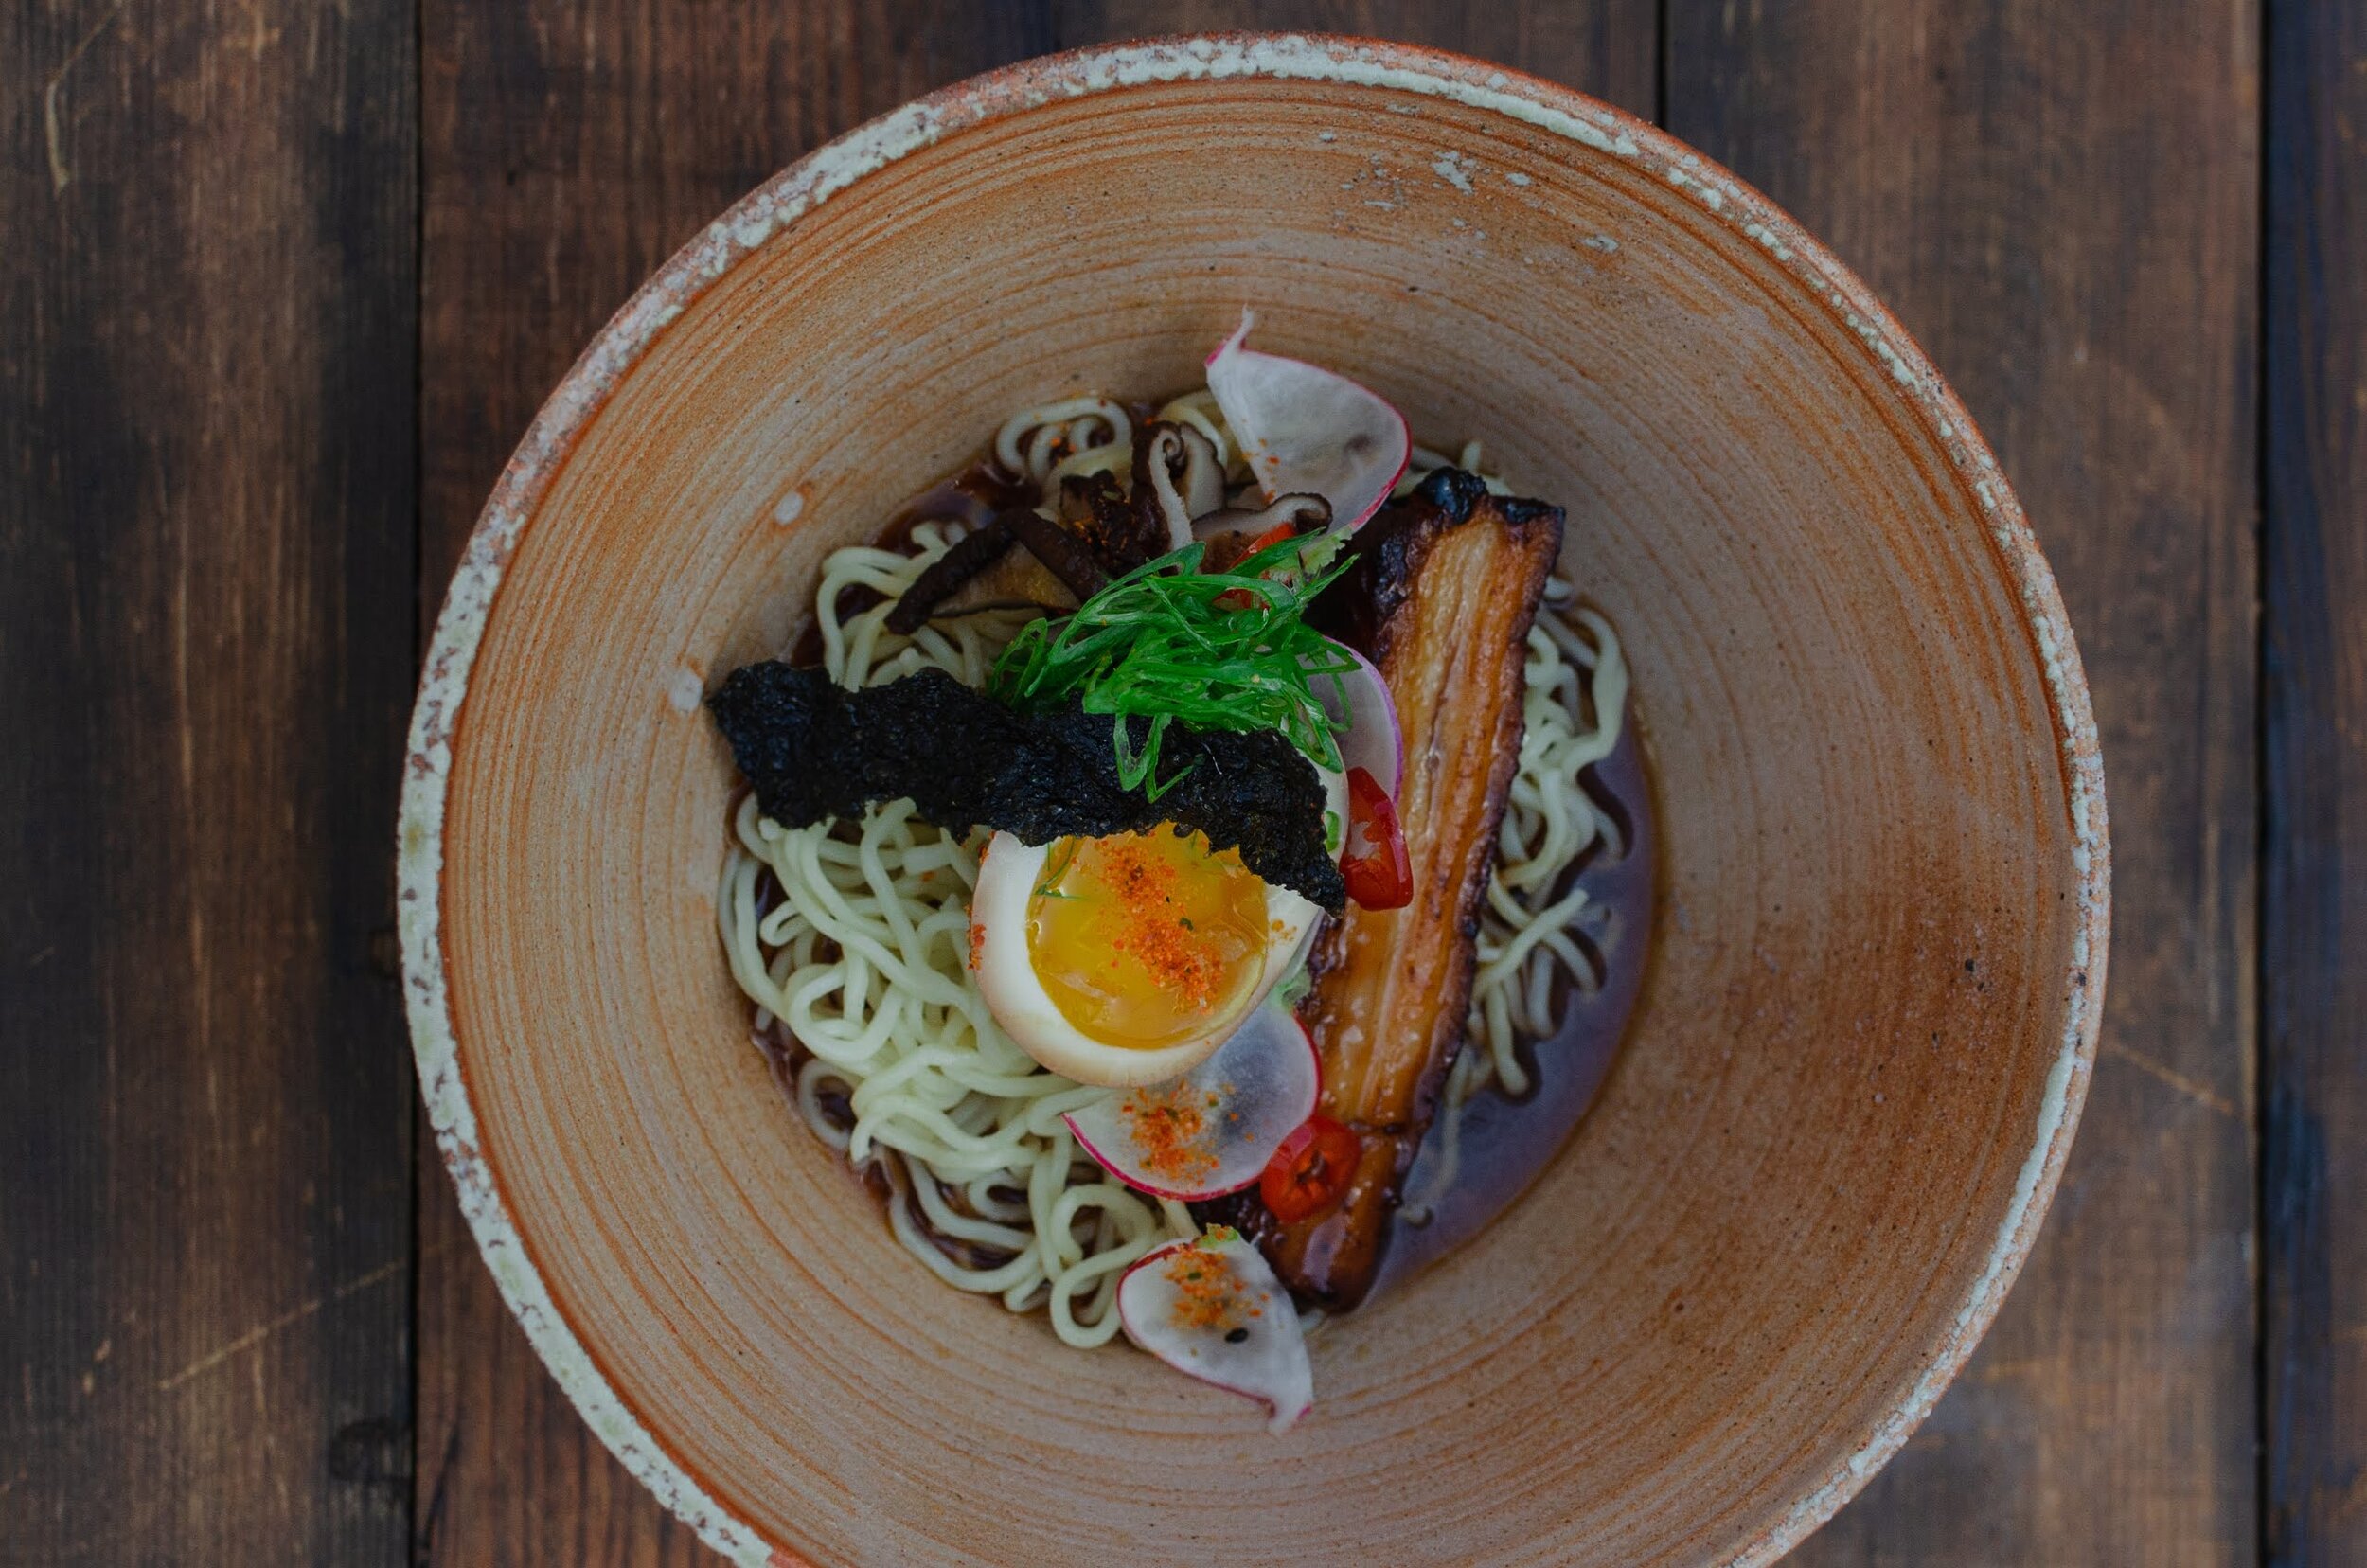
(1016, 90)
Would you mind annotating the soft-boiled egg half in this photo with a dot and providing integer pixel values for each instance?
(1129, 960)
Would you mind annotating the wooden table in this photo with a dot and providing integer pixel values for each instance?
(284, 283)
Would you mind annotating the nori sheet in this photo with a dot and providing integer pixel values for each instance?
(812, 750)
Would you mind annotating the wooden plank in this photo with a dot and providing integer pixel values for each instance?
(206, 554)
(2061, 206)
(568, 151)
(2314, 912)
(1606, 47)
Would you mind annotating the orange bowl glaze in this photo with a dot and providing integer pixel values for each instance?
(1880, 949)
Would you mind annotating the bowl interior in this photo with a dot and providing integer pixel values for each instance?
(1770, 1226)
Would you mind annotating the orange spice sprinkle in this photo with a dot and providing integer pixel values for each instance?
(1208, 1294)
(977, 943)
(1144, 885)
(1169, 1124)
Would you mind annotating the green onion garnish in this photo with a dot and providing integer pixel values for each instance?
(1156, 644)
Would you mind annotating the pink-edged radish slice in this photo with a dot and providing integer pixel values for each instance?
(1212, 1131)
(1212, 1308)
(1304, 428)
(1373, 740)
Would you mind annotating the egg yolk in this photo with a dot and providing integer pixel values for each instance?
(1146, 940)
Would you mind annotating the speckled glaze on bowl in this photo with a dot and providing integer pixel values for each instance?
(1880, 962)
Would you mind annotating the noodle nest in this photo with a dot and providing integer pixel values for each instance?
(852, 938)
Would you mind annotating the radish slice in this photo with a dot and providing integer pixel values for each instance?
(1212, 1131)
(1213, 1309)
(1304, 428)
(1373, 740)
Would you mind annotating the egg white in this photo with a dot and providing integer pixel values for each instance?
(1008, 875)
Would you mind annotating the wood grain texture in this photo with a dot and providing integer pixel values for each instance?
(1606, 47)
(206, 545)
(2314, 1126)
(2064, 217)
(567, 152)
(207, 320)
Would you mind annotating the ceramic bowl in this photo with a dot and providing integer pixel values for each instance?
(1871, 1011)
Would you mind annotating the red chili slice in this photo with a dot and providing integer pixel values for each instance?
(1311, 1172)
(1374, 862)
(1271, 538)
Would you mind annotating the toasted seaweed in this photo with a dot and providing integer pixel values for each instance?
(812, 750)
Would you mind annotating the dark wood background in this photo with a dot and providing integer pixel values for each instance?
(281, 284)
